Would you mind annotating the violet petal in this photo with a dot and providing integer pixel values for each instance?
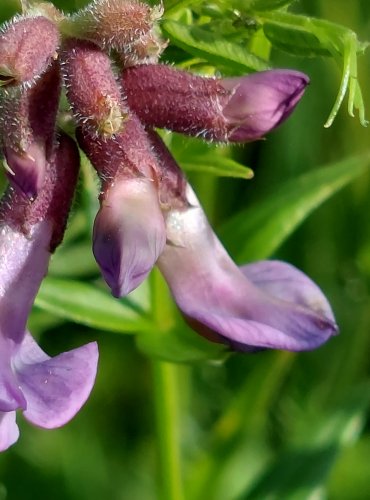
(55, 388)
(129, 234)
(219, 300)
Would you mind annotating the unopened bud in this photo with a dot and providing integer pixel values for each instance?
(27, 48)
(235, 109)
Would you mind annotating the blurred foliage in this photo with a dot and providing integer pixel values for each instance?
(268, 426)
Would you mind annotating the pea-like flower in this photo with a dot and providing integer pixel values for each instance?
(129, 231)
(233, 109)
(268, 304)
(50, 391)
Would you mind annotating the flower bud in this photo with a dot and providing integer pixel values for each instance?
(235, 109)
(92, 90)
(27, 48)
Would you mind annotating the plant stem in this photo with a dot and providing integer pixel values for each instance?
(168, 432)
(166, 400)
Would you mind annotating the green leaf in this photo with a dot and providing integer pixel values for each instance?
(294, 40)
(217, 165)
(74, 261)
(256, 232)
(260, 5)
(202, 43)
(302, 471)
(86, 304)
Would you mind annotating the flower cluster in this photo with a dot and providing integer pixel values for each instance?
(106, 57)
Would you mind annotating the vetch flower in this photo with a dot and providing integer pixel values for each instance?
(234, 109)
(50, 391)
(267, 304)
(129, 230)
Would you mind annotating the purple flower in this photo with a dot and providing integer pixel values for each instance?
(129, 230)
(267, 304)
(50, 391)
(234, 109)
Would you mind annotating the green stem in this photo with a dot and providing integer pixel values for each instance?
(166, 400)
(168, 432)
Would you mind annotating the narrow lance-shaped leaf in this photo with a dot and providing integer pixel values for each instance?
(256, 232)
(218, 166)
(73, 300)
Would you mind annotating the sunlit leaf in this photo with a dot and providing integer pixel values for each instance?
(217, 165)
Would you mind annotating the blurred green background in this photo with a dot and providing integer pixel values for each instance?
(267, 426)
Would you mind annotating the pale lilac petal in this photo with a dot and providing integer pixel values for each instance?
(11, 396)
(129, 234)
(24, 263)
(221, 303)
(9, 432)
(55, 388)
(285, 282)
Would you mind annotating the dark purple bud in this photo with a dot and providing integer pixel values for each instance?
(92, 89)
(27, 127)
(235, 109)
(27, 48)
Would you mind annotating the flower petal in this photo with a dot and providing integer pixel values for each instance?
(285, 282)
(27, 170)
(11, 396)
(129, 234)
(261, 101)
(9, 432)
(55, 388)
(220, 302)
